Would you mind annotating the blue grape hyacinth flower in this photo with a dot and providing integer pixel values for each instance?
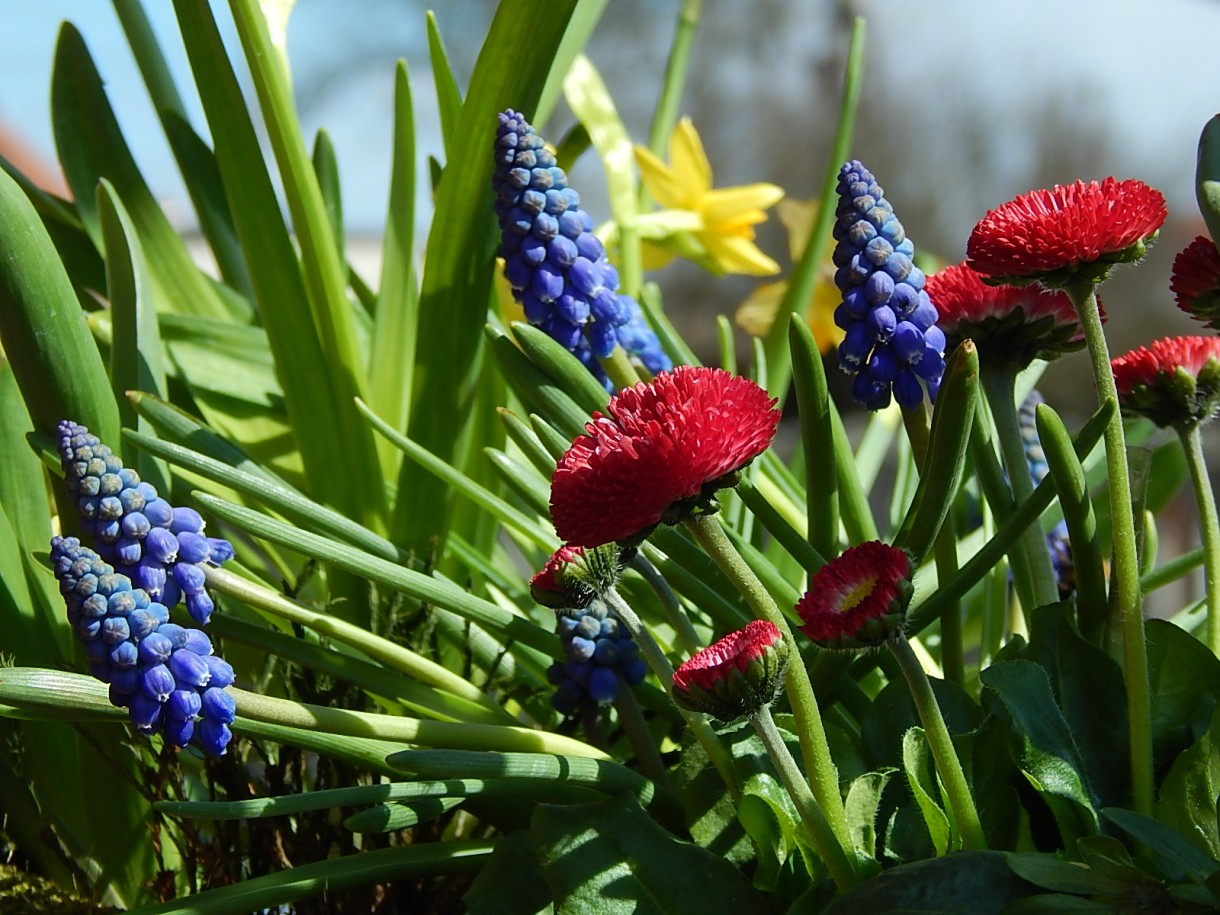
(599, 652)
(166, 676)
(891, 339)
(555, 264)
(162, 549)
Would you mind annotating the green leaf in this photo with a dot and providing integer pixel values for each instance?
(137, 361)
(317, 371)
(1207, 176)
(1187, 800)
(1185, 686)
(966, 883)
(1088, 686)
(772, 822)
(91, 147)
(921, 777)
(392, 348)
(512, 872)
(861, 805)
(511, 70)
(392, 817)
(1176, 857)
(1050, 757)
(448, 95)
(612, 857)
(817, 438)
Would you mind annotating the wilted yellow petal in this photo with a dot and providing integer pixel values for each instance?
(665, 187)
(757, 313)
(726, 203)
(797, 217)
(687, 158)
(736, 254)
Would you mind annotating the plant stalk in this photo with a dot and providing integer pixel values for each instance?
(1209, 527)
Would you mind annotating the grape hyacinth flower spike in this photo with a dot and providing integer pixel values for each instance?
(167, 677)
(891, 341)
(162, 549)
(555, 264)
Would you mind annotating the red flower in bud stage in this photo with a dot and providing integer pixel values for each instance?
(664, 447)
(859, 599)
(1195, 281)
(547, 586)
(736, 676)
(1173, 382)
(573, 576)
(1070, 233)
(1010, 325)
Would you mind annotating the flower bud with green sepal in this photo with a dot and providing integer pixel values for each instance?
(737, 676)
(1175, 381)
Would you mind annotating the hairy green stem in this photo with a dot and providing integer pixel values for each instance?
(948, 766)
(1125, 601)
(664, 671)
(999, 385)
(837, 862)
(823, 776)
(1209, 526)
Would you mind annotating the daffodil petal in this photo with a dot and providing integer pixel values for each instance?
(797, 217)
(665, 187)
(757, 313)
(736, 254)
(687, 158)
(725, 203)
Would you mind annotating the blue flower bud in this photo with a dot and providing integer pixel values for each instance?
(183, 704)
(179, 732)
(187, 667)
(213, 737)
(144, 712)
(197, 641)
(157, 682)
(155, 648)
(221, 671)
(219, 705)
(603, 685)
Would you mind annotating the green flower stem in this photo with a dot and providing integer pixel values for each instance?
(664, 672)
(388, 653)
(669, 600)
(642, 743)
(407, 730)
(1125, 602)
(944, 551)
(824, 840)
(823, 777)
(1209, 526)
(619, 368)
(999, 385)
(666, 114)
(948, 766)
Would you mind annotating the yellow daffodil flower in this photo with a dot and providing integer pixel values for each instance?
(719, 220)
(756, 314)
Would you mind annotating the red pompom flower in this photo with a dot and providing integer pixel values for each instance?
(1173, 382)
(859, 599)
(1068, 234)
(1010, 325)
(737, 676)
(659, 454)
(1195, 281)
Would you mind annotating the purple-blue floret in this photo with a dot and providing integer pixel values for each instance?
(891, 342)
(167, 677)
(599, 652)
(555, 264)
(159, 547)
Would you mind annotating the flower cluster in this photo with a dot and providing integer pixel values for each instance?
(859, 599)
(1010, 325)
(1068, 234)
(162, 549)
(599, 652)
(1173, 382)
(1195, 281)
(659, 454)
(737, 676)
(890, 336)
(555, 264)
(165, 676)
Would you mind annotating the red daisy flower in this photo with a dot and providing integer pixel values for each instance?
(1009, 324)
(737, 676)
(1067, 234)
(664, 447)
(1195, 281)
(859, 599)
(1174, 381)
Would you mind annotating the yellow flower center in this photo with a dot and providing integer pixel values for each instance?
(856, 595)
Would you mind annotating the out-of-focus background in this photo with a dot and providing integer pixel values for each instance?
(965, 104)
